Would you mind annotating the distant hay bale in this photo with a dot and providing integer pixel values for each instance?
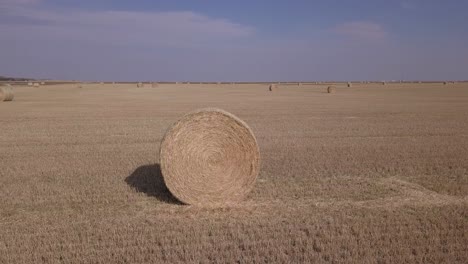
(331, 89)
(154, 85)
(445, 83)
(273, 87)
(139, 85)
(6, 94)
(384, 83)
(209, 158)
(30, 84)
(101, 83)
(42, 83)
(36, 84)
(299, 84)
(350, 84)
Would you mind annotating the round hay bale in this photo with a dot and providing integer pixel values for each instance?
(139, 85)
(36, 84)
(154, 85)
(350, 85)
(445, 83)
(30, 83)
(209, 158)
(272, 87)
(331, 89)
(6, 94)
(383, 83)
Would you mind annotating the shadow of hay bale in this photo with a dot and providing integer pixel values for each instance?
(149, 180)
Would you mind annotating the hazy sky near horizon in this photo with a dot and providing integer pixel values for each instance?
(216, 40)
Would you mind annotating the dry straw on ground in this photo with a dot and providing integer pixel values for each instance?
(209, 158)
(331, 89)
(272, 87)
(6, 94)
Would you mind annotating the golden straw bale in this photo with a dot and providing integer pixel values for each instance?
(209, 158)
(6, 94)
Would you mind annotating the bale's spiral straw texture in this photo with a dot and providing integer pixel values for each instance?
(6, 94)
(272, 87)
(331, 89)
(209, 158)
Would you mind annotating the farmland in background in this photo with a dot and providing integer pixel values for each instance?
(371, 173)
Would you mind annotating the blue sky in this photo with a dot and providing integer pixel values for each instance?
(211, 40)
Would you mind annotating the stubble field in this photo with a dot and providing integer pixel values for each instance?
(370, 174)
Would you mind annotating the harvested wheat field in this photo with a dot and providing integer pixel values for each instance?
(370, 174)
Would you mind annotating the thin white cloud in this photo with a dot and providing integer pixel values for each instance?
(170, 28)
(362, 30)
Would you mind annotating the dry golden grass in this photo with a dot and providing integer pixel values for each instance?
(369, 175)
